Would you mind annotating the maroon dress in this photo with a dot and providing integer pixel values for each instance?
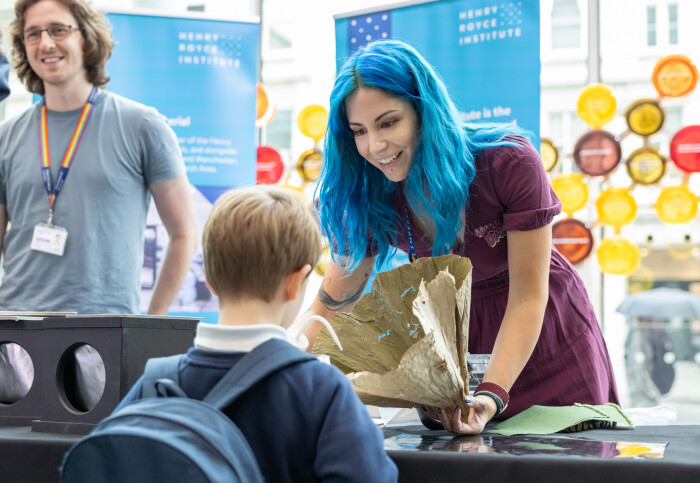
(570, 363)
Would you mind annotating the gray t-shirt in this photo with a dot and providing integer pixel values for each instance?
(125, 147)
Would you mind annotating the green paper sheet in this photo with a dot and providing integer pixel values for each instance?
(552, 419)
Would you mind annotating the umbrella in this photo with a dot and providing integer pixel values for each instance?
(661, 303)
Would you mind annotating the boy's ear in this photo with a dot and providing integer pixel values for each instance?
(294, 282)
(209, 286)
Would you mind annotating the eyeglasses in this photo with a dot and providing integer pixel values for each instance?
(57, 31)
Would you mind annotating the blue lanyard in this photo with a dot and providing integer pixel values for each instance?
(411, 246)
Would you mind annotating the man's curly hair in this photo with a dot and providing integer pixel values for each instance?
(97, 45)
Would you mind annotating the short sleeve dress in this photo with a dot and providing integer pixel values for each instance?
(570, 363)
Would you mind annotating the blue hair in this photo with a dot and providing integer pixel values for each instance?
(354, 201)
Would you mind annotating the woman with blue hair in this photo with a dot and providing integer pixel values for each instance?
(402, 170)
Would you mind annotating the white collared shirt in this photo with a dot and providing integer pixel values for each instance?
(242, 338)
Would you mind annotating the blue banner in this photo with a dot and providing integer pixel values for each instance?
(202, 75)
(487, 52)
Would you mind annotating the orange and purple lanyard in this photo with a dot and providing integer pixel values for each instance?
(70, 152)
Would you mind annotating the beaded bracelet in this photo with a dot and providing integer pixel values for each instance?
(495, 392)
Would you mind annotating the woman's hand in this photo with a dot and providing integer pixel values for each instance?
(481, 410)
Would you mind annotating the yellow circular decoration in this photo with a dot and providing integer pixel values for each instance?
(596, 105)
(298, 192)
(549, 154)
(677, 204)
(675, 76)
(646, 165)
(309, 165)
(324, 260)
(645, 117)
(312, 121)
(617, 256)
(572, 191)
(616, 207)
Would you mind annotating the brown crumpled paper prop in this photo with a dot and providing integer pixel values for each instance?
(405, 342)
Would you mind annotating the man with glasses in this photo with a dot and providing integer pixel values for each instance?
(77, 171)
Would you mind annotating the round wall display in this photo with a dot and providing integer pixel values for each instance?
(646, 165)
(309, 165)
(674, 76)
(618, 256)
(616, 207)
(596, 105)
(685, 149)
(549, 154)
(573, 239)
(645, 117)
(597, 153)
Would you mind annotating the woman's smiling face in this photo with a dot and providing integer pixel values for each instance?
(386, 130)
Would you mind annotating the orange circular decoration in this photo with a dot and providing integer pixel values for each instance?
(616, 207)
(618, 256)
(685, 149)
(573, 239)
(676, 205)
(549, 154)
(269, 167)
(309, 165)
(265, 108)
(597, 153)
(645, 117)
(646, 166)
(675, 76)
(262, 102)
(572, 191)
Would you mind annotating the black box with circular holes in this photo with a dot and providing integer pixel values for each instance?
(85, 364)
(21, 358)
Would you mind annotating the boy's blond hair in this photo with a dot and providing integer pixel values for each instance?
(254, 238)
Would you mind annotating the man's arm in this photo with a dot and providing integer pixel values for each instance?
(173, 200)
(3, 227)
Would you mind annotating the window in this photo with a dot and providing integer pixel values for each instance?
(673, 24)
(278, 133)
(278, 40)
(674, 118)
(556, 127)
(651, 25)
(566, 24)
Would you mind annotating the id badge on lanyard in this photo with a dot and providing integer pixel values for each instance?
(50, 238)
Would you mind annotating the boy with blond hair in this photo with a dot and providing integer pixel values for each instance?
(304, 422)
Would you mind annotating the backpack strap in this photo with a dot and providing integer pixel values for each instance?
(160, 368)
(255, 366)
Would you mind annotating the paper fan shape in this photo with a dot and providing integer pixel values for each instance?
(405, 342)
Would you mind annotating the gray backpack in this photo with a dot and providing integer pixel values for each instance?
(166, 436)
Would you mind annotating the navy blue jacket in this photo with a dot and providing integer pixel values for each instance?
(304, 423)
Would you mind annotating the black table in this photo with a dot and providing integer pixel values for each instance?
(444, 457)
(28, 457)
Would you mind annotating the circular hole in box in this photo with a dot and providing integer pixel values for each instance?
(16, 373)
(80, 378)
